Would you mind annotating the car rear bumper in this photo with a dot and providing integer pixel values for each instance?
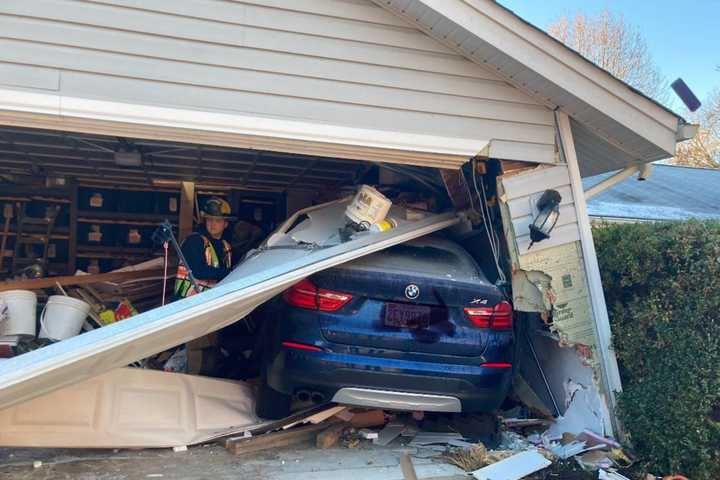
(391, 400)
(475, 387)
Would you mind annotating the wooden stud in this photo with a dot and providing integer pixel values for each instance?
(187, 204)
(72, 229)
(372, 418)
(242, 445)
(406, 465)
(331, 435)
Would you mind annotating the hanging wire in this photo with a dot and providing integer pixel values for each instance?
(485, 213)
(487, 209)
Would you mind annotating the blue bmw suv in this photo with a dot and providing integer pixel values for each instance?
(414, 327)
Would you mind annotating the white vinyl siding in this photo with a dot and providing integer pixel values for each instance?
(521, 193)
(340, 62)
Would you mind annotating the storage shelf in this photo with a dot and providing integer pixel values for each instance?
(101, 251)
(122, 218)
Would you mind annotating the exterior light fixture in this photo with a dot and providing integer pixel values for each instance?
(548, 207)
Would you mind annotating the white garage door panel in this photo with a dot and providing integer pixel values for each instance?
(99, 351)
(128, 408)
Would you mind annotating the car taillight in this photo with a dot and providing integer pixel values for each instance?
(499, 317)
(301, 346)
(305, 294)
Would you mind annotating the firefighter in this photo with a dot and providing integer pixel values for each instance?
(207, 254)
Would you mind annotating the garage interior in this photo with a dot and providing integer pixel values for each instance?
(92, 203)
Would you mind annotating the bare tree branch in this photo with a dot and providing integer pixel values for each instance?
(704, 149)
(616, 46)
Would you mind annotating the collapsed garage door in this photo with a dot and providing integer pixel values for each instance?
(47, 153)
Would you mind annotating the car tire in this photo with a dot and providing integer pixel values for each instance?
(271, 404)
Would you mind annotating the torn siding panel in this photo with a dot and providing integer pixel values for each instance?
(572, 312)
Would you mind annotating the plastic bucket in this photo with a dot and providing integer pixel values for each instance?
(62, 317)
(21, 305)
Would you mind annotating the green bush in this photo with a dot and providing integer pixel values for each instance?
(662, 286)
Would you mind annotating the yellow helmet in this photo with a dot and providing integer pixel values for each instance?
(217, 207)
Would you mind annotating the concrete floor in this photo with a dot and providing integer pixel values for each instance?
(368, 461)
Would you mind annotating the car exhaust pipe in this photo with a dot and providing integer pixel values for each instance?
(303, 395)
(317, 397)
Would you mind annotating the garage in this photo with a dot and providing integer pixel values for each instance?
(116, 116)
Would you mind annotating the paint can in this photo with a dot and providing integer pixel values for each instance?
(384, 226)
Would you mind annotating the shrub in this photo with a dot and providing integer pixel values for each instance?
(662, 287)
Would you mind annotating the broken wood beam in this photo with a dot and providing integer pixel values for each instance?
(406, 465)
(331, 435)
(284, 438)
(371, 418)
(71, 280)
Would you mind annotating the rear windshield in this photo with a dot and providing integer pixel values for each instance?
(428, 257)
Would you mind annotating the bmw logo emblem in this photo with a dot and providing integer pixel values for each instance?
(412, 291)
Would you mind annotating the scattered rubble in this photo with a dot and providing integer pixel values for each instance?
(514, 467)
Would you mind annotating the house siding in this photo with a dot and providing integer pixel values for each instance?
(522, 191)
(340, 62)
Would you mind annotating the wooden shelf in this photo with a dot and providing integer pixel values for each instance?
(100, 251)
(122, 218)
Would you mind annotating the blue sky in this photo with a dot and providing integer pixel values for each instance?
(683, 36)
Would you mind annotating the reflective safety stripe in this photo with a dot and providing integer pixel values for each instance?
(183, 285)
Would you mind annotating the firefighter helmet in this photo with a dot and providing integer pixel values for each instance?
(216, 207)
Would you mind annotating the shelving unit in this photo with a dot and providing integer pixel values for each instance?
(98, 234)
(62, 239)
(115, 225)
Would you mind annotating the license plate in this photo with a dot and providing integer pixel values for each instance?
(407, 316)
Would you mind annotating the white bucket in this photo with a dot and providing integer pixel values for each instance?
(62, 317)
(21, 305)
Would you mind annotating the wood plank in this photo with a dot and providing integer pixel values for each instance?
(187, 207)
(372, 418)
(406, 465)
(240, 446)
(318, 417)
(70, 280)
(73, 230)
(331, 435)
